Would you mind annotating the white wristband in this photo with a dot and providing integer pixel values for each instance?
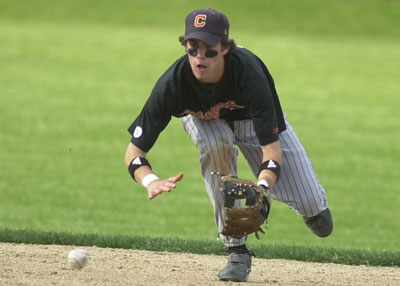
(148, 179)
(263, 183)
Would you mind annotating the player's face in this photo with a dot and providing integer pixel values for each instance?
(207, 62)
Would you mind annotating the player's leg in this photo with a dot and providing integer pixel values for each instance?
(298, 186)
(215, 140)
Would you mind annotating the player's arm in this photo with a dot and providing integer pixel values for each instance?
(270, 167)
(140, 170)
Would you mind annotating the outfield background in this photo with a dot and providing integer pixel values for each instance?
(74, 74)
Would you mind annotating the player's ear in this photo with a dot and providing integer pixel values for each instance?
(225, 50)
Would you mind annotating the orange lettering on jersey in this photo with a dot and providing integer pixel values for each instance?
(200, 20)
(214, 111)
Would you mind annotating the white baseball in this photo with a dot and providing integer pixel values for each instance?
(78, 258)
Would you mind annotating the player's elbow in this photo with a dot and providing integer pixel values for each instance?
(132, 152)
(127, 162)
(128, 155)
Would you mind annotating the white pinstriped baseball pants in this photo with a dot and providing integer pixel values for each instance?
(298, 185)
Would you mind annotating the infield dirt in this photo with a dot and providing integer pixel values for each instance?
(23, 264)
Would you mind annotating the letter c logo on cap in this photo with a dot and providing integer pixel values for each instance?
(200, 20)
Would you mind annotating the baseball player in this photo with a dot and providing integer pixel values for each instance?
(227, 101)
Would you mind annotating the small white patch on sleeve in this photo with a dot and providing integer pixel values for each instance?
(138, 132)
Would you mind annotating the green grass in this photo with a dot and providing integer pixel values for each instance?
(73, 75)
(174, 244)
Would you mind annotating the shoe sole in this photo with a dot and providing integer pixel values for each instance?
(232, 279)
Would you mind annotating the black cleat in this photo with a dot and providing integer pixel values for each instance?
(238, 267)
(321, 224)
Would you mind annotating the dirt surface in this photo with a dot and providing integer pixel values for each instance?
(23, 264)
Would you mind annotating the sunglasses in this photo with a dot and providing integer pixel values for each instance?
(207, 54)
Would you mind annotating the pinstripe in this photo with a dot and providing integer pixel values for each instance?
(298, 174)
(286, 193)
(302, 170)
(206, 134)
(298, 186)
(248, 144)
(300, 165)
(306, 187)
(293, 181)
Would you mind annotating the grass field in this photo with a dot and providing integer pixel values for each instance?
(74, 74)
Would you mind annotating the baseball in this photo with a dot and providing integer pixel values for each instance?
(78, 258)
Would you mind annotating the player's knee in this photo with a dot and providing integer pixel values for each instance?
(320, 224)
(218, 152)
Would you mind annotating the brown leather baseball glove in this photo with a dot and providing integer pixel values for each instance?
(249, 218)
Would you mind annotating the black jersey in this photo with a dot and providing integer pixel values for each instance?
(246, 91)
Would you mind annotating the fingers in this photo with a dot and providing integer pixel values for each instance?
(176, 179)
(163, 186)
(155, 193)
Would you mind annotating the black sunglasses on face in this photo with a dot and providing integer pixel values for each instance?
(207, 54)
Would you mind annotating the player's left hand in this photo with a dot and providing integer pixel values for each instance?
(162, 186)
(241, 221)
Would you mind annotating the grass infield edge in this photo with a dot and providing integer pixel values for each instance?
(299, 253)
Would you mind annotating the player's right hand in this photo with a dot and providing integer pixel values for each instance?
(162, 186)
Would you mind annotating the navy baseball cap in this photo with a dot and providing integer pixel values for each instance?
(207, 25)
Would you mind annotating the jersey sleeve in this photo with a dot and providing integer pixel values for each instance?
(259, 100)
(162, 104)
(154, 117)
